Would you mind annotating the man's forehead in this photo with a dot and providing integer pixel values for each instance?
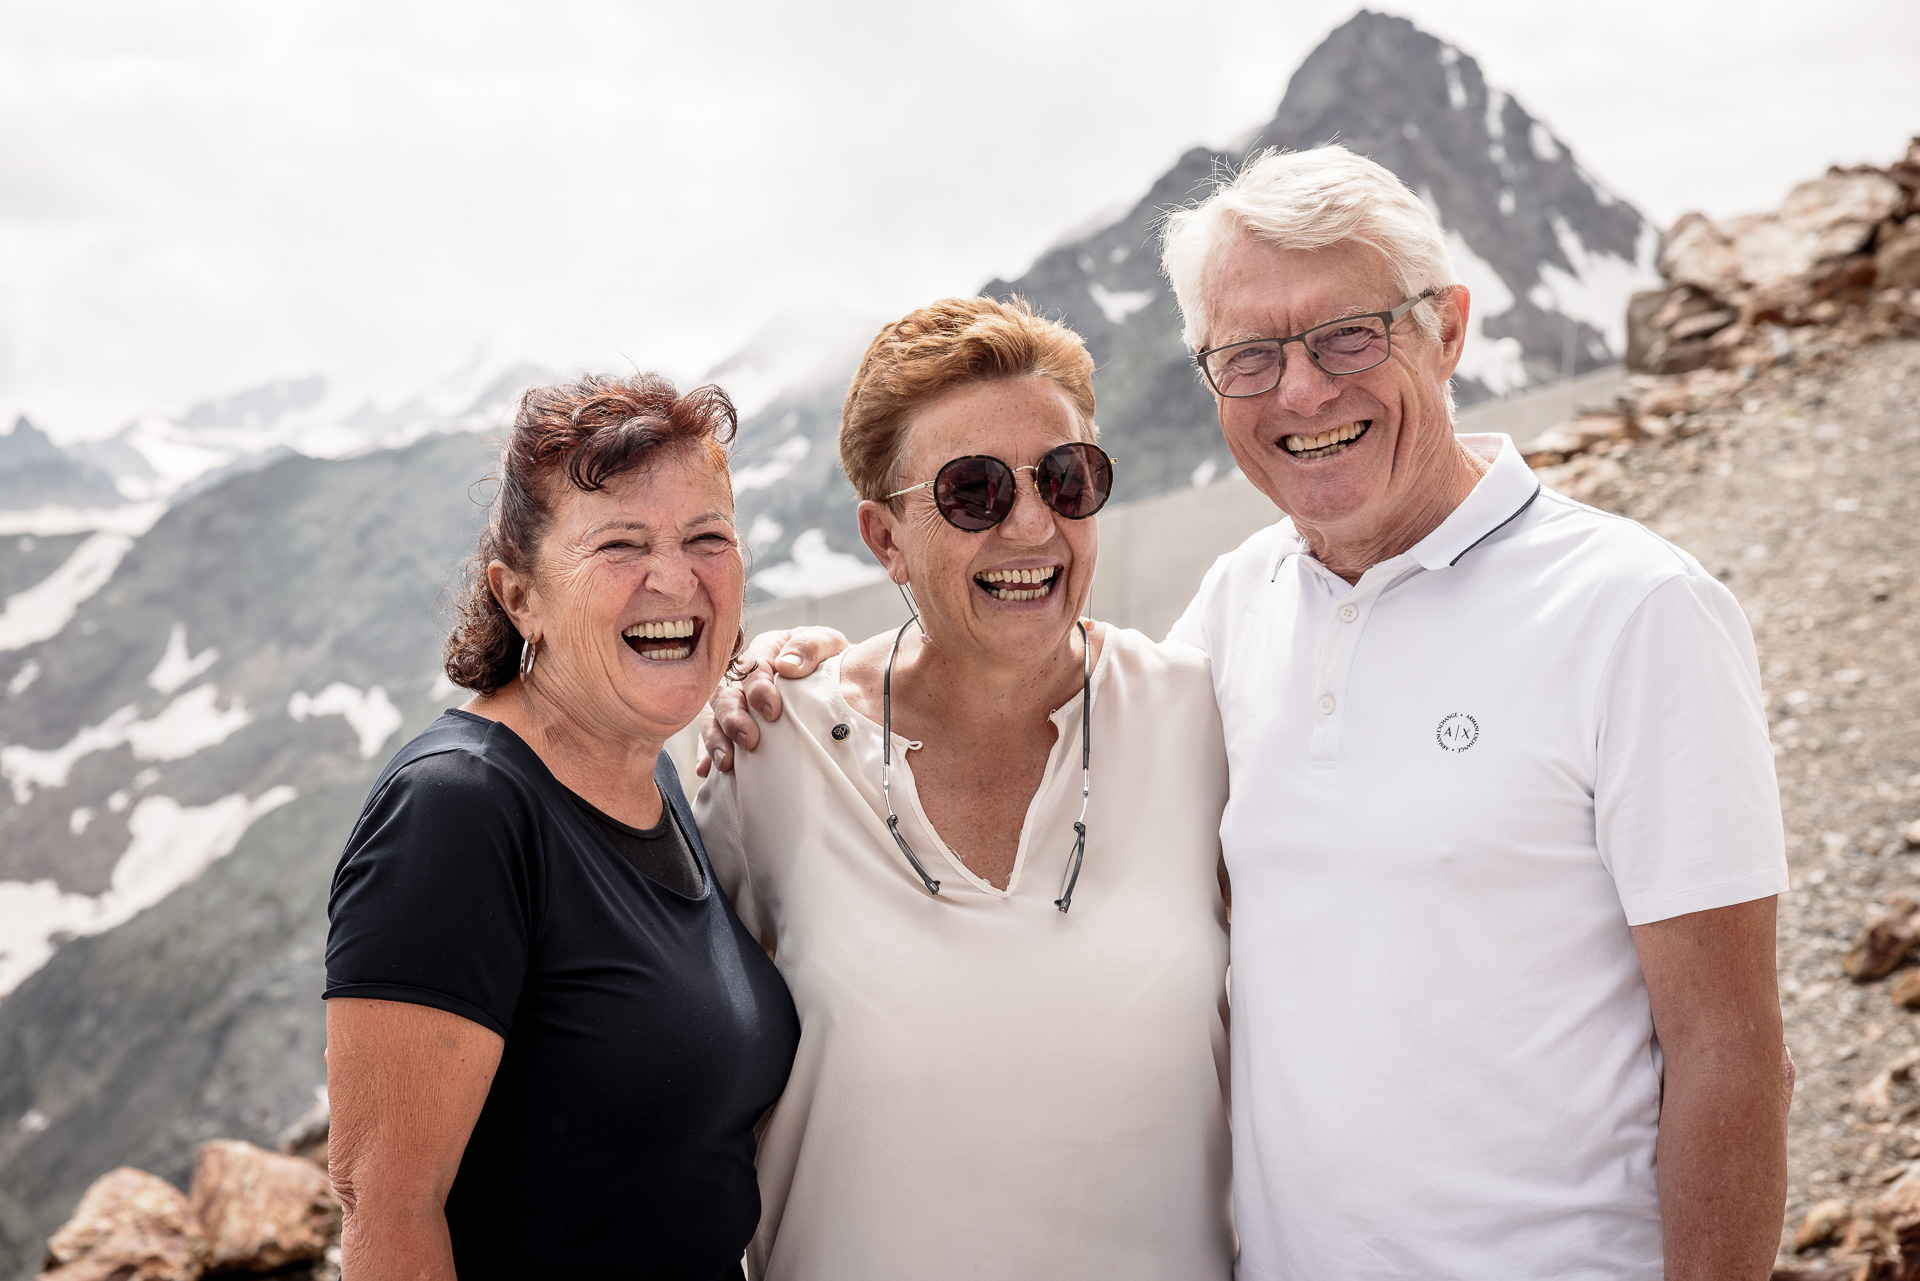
(1258, 286)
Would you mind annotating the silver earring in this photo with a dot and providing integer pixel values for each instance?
(915, 611)
(529, 651)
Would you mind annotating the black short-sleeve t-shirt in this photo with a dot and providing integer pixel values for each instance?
(646, 1031)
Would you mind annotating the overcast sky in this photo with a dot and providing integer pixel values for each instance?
(197, 197)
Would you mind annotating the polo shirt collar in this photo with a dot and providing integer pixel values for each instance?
(1507, 489)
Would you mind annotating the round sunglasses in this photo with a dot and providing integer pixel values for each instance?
(976, 491)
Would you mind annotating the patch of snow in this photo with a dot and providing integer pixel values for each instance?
(764, 531)
(1506, 202)
(175, 667)
(33, 1121)
(1595, 292)
(133, 519)
(1450, 62)
(1495, 362)
(78, 820)
(443, 686)
(369, 713)
(1204, 473)
(43, 610)
(24, 677)
(1496, 111)
(190, 723)
(1117, 305)
(1600, 192)
(171, 844)
(784, 460)
(817, 570)
(1544, 145)
(1117, 255)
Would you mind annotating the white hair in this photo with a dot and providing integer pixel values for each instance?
(1305, 200)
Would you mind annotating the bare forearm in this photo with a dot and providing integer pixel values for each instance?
(384, 1241)
(1722, 1156)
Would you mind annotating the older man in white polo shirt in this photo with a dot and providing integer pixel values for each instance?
(1504, 835)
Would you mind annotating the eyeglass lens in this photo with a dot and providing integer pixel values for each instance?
(977, 492)
(1341, 347)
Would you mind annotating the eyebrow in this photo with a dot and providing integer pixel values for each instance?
(703, 518)
(1349, 312)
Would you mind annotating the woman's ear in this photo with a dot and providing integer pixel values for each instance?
(879, 527)
(512, 591)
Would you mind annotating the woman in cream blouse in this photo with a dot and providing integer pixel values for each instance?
(1005, 931)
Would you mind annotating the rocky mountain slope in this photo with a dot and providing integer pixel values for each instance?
(179, 775)
(1550, 255)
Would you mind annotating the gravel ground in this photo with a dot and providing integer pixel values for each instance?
(1799, 495)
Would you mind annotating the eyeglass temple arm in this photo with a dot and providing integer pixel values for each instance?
(886, 757)
(1065, 900)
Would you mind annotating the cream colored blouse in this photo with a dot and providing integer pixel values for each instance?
(987, 1088)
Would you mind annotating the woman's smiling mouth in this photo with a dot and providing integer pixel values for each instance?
(1327, 443)
(665, 641)
(1018, 584)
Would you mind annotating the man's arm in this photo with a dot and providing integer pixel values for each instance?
(1722, 1150)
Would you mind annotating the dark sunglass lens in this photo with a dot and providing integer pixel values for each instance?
(974, 493)
(1075, 480)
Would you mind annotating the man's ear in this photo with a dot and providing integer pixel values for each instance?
(512, 591)
(878, 527)
(1453, 308)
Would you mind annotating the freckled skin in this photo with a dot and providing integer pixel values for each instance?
(978, 696)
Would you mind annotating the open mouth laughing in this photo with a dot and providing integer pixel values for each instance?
(1015, 585)
(1327, 443)
(666, 641)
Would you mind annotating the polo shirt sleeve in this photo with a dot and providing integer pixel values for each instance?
(433, 900)
(1686, 807)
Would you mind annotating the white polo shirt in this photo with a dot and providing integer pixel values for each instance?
(1455, 785)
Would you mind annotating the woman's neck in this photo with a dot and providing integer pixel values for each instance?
(976, 692)
(611, 770)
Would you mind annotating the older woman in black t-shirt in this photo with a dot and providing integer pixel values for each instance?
(548, 1035)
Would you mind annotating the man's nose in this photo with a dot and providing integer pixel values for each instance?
(1304, 386)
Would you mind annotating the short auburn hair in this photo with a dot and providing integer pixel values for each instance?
(584, 433)
(946, 344)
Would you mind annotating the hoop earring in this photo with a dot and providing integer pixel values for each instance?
(529, 651)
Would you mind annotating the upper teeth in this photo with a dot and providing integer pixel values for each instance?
(661, 631)
(1301, 444)
(1019, 575)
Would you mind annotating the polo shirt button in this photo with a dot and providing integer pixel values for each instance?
(1348, 613)
(1326, 704)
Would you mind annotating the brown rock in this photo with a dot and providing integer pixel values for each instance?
(1896, 263)
(1905, 989)
(1702, 325)
(1641, 308)
(1668, 400)
(307, 1137)
(1822, 1224)
(261, 1210)
(1887, 943)
(130, 1226)
(1698, 253)
(1834, 1270)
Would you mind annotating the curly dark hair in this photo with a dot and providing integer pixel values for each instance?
(589, 431)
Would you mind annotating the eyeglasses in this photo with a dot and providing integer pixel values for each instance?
(976, 491)
(1349, 345)
(1072, 878)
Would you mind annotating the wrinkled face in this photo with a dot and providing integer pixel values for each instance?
(637, 595)
(1335, 451)
(1014, 590)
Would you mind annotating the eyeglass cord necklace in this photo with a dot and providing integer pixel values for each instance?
(1065, 900)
